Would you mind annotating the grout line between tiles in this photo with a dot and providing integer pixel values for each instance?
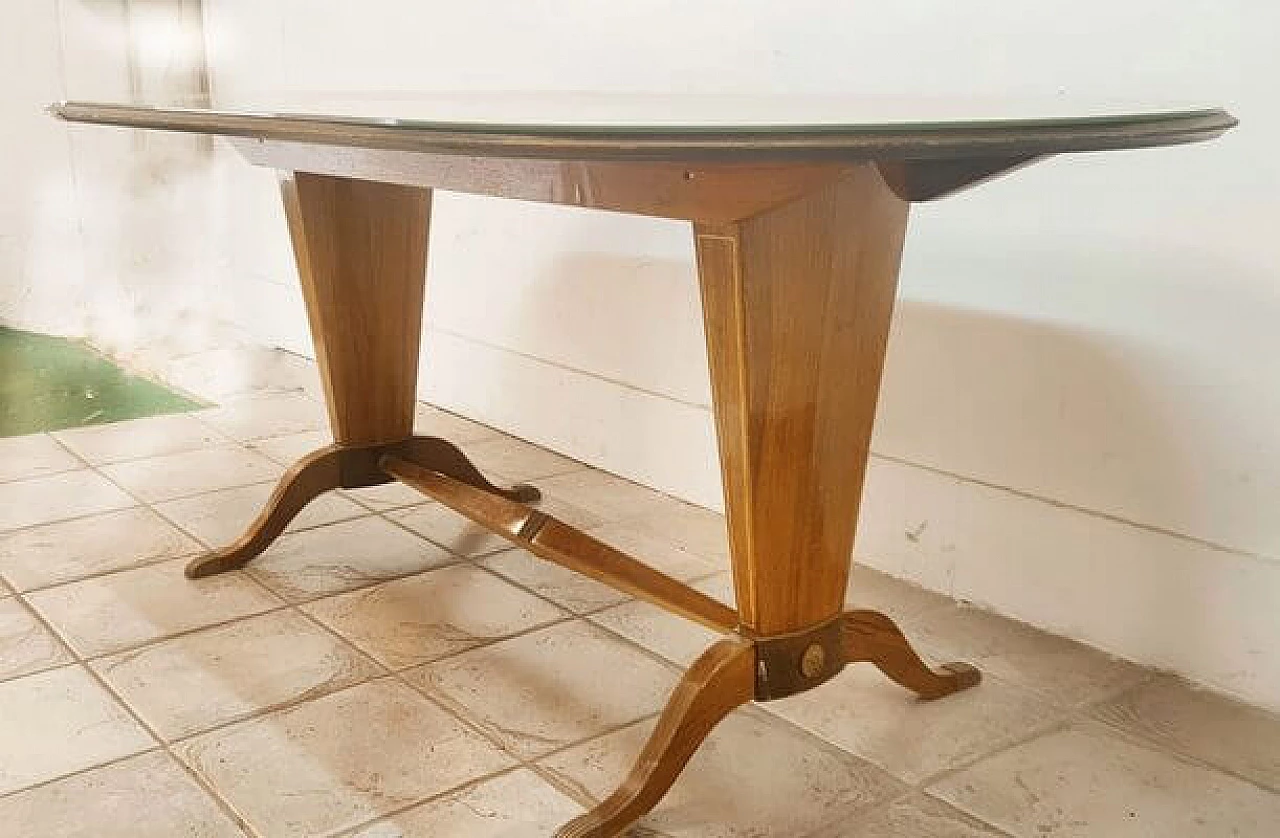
(1056, 726)
(98, 574)
(62, 644)
(190, 535)
(435, 798)
(25, 527)
(80, 662)
(40, 474)
(398, 676)
(906, 795)
(95, 767)
(204, 545)
(1085, 715)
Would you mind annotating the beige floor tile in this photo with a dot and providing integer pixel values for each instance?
(218, 518)
(154, 436)
(678, 640)
(574, 591)
(108, 613)
(1065, 672)
(753, 778)
(719, 586)
(191, 683)
(58, 497)
(257, 417)
(659, 553)
(287, 449)
(545, 690)
(192, 472)
(146, 796)
(343, 557)
(517, 460)
(341, 760)
(418, 619)
(870, 589)
(574, 516)
(26, 646)
(1084, 782)
(450, 530)
(609, 497)
(58, 722)
(387, 497)
(33, 455)
(1199, 724)
(868, 715)
(915, 816)
(69, 550)
(692, 528)
(432, 421)
(515, 804)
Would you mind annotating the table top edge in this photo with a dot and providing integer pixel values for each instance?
(896, 140)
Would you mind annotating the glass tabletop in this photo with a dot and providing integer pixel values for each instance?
(622, 125)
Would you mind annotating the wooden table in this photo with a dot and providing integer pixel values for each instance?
(798, 226)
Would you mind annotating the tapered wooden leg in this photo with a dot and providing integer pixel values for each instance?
(361, 249)
(872, 637)
(719, 681)
(797, 302)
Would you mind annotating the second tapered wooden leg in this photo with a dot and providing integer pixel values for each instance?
(361, 250)
(796, 303)
(719, 681)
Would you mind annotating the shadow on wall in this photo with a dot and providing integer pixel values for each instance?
(640, 320)
(1141, 427)
(1085, 418)
(1140, 383)
(1062, 414)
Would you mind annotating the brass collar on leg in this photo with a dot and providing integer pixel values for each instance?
(787, 664)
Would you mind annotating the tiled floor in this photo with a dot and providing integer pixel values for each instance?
(388, 670)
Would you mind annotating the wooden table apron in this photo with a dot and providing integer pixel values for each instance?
(797, 259)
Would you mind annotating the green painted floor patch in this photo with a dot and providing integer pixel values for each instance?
(50, 383)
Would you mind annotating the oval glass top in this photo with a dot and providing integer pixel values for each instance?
(727, 127)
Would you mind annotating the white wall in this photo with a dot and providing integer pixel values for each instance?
(1077, 423)
(114, 235)
(39, 241)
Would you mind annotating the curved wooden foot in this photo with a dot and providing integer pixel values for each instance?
(310, 477)
(719, 681)
(440, 455)
(344, 467)
(872, 637)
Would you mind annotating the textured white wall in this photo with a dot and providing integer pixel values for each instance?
(1077, 424)
(114, 235)
(39, 241)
